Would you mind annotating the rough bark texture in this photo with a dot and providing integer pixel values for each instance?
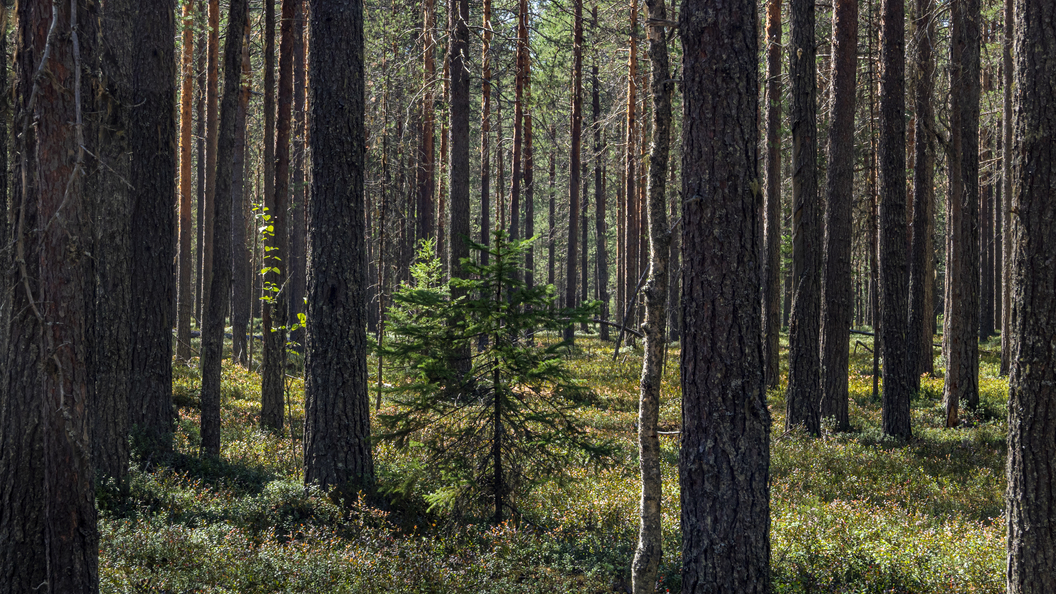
(212, 123)
(601, 231)
(892, 177)
(772, 212)
(337, 450)
(575, 163)
(1006, 189)
(185, 295)
(219, 287)
(725, 450)
(962, 217)
(485, 137)
(200, 183)
(628, 256)
(837, 306)
(458, 139)
(48, 536)
(922, 258)
(241, 279)
(647, 555)
(804, 361)
(1032, 383)
(298, 257)
(426, 208)
(518, 121)
(529, 187)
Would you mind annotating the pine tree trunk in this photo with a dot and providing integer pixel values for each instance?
(202, 177)
(962, 264)
(298, 256)
(337, 451)
(892, 238)
(921, 264)
(211, 131)
(47, 497)
(185, 297)
(1006, 189)
(1032, 383)
(574, 164)
(485, 137)
(219, 287)
(600, 229)
(241, 281)
(836, 303)
(426, 182)
(804, 373)
(772, 228)
(724, 456)
(529, 189)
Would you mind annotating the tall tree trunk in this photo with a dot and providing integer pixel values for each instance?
(485, 137)
(836, 303)
(202, 177)
(986, 244)
(337, 450)
(518, 120)
(47, 503)
(241, 280)
(216, 304)
(631, 233)
(211, 131)
(647, 555)
(804, 373)
(892, 148)
(272, 394)
(185, 297)
(1006, 189)
(298, 256)
(427, 148)
(921, 265)
(772, 228)
(458, 161)
(529, 191)
(962, 264)
(1032, 385)
(551, 262)
(600, 229)
(575, 163)
(724, 456)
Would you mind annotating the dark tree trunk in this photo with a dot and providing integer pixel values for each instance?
(152, 142)
(629, 232)
(724, 455)
(518, 120)
(458, 159)
(211, 130)
(185, 288)
(986, 246)
(426, 182)
(1006, 189)
(574, 163)
(922, 257)
(772, 223)
(241, 280)
(297, 259)
(337, 450)
(837, 307)
(804, 373)
(647, 555)
(202, 177)
(892, 178)
(529, 190)
(485, 138)
(551, 243)
(962, 219)
(219, 287)
(48, 529)
(1032, 384)
(600, 230)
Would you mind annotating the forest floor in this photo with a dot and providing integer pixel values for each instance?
(850, 512)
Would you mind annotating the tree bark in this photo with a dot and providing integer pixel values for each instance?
(892, 148)
(211, 131)
(1006, 189)
(575, 162)
(724, 455)
(185, 296)
(426, 209)
(219, 287)
(804, 373)
(647, 555)
(337, 450)
(837, 308)
(298, 256)
(241, 280)
(921, 266)
(1032, 382)
(48, 529)
(485, 137)
(628, 257)
(962, 258)
(600, 229)
(772, 223)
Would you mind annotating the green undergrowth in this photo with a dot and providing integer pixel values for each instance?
(850, 512)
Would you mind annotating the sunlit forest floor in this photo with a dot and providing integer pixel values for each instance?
(850, 513)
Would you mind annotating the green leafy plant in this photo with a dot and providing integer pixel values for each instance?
(505, 421)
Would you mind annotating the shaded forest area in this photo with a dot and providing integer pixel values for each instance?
(335, 295)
